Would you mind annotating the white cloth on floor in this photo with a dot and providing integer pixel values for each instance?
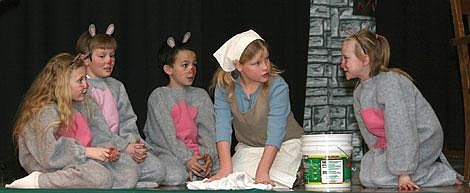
(283, 172)
(234, 181)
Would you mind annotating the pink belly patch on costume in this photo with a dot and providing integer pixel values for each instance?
(78, 130)
(105, 99)
(184, 120)
(374, 121)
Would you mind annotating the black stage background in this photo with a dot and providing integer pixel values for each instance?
(32, 31)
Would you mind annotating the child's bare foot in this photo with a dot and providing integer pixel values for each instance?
(458, 181)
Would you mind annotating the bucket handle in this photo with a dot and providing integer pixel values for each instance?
(347, 155)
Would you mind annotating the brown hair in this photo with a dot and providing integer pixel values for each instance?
(102, 41)
(82, 44)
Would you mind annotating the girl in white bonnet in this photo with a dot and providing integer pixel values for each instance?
(251, 96)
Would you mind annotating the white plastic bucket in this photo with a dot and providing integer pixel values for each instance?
(327, 161)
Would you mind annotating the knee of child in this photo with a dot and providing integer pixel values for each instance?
(101, 179)
(132, 175)
(366, 181)
(152, 165)
(136, 172)
(176, 177)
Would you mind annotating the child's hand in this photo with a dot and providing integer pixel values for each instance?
(113, 154)
(207, 159)
(141, 150)
(263, 178)
(100, 154)
(194, 168)
(220, 174)
(138, 152)
(406, 184)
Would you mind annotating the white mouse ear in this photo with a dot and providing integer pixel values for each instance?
(186, 37)
(171, 42)
(92, 30)
(110, 29)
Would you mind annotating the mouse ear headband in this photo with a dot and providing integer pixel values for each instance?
(92, 30)
(229, 53)
(171, 41)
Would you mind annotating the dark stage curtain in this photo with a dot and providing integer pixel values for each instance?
(419, 33)
(33, 31)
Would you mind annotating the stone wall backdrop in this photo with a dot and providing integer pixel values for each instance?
(328, 101)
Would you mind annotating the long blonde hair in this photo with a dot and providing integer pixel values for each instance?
(375, 46)
(226, 80)
(51, 86)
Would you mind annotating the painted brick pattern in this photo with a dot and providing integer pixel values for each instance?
(328, 100)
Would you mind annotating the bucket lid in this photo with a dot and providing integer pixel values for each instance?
(341, 138)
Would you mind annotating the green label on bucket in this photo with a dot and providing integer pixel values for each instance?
(332, 169)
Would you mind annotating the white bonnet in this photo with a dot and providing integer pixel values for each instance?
(231, 51)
